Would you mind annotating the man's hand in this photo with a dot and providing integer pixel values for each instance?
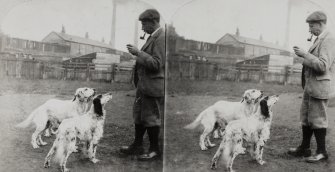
(132, 49)
(299, 52)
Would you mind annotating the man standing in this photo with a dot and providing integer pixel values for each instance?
(148, 107)
(318, 82)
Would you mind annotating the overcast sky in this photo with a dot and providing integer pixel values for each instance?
(204, 20)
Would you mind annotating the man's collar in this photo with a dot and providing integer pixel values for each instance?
(153, 33)
(322, 34)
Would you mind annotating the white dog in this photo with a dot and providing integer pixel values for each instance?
(88, 128)
(254, 131)
(222, 112)
(54, 111)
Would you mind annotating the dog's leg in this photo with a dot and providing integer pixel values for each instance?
(68, 150)
(209, 143)
(239, 149)
(202, 141)
(217, 156)
(34, 139)
(203, 138)
(231, 161)
(93, 158)
(40, 127)
(216, 134)
(85, 149)
(63, 163)
(216, 130)
(50, 154)
(259, 152)
(54, 128)
(252, 150)
(90, 150)
(47, 132)
(40, 141)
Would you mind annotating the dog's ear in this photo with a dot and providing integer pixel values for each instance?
(97, 106)
(264, 107)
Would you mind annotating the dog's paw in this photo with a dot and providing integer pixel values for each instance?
(46, 164)
(261, 162)
(44, 143)
(94, 160)
(214, 166)
(35, 146)
(65, 170)
(204, 148)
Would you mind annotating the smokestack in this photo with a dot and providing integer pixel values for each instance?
(112, 41)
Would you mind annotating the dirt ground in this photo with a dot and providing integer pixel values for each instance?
(182, 151)
(16, 152)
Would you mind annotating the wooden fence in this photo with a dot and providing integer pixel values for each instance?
(198, 70)
(32, 69)
(193, 70)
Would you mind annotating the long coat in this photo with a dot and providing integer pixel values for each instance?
(150, 65)
(149, 79)
(318, 74)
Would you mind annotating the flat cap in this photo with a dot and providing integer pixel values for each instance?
(316, 16)
(150, 14)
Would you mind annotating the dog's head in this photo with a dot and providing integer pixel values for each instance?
(266, 104)
(84, 94)
(99, 101)
(252, 96)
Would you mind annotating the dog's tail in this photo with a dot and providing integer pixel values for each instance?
(26, 122)
(197, 121)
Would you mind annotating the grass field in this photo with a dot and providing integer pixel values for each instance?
(19, 97)
(187, 99)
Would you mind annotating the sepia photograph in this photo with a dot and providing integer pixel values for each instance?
(167, 85)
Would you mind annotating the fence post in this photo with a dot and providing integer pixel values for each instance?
(35, 65)
(87, 72)
(113, 73)
(261, 75)
(6, 68)
(65, 71)
(74, 71)
(217, 71)
(180, 69)
(238, 74)
(286, 75)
